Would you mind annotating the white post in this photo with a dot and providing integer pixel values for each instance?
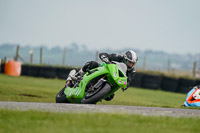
(144, 63)
(40, 55)
(194, 69)
(64, 55)
(169, 66)
(31, 56)
(97, 56)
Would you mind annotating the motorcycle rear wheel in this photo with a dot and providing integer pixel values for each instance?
(98, 96)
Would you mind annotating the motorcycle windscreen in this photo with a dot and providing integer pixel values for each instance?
(121, 80)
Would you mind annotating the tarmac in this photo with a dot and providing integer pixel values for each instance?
(92, 108)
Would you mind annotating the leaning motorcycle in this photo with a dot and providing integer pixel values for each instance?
(95, 85)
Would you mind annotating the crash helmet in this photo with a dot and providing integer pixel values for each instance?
(196, 95)
(130, 58)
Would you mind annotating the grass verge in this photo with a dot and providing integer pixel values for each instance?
(40, 122)
(32, 89)
(29, 89)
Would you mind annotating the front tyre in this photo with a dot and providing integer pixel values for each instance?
(61, 97)
(98, 96)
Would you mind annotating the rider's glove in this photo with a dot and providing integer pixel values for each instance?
(123, 89)
(104, 59)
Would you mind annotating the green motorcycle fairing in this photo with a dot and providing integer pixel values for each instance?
(114, 76)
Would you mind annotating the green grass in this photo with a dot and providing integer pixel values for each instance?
(46, 122)
(145, 97)
(31, 89)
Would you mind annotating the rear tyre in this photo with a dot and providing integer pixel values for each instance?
(98, 96)
(61, 97)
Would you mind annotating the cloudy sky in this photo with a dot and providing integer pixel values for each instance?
(172, 26)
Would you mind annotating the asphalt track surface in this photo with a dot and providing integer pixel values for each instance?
(86, 108)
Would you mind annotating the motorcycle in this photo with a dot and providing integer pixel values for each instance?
(95, 85)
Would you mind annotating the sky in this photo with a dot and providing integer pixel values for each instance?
(172, 26)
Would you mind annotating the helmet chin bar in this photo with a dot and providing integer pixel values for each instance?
(130, 64)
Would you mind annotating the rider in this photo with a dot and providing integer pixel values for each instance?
(129, 58)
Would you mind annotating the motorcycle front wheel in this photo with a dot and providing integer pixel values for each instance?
(61, 97)
(98, 96)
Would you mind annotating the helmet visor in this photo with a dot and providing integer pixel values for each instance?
(130, 64)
